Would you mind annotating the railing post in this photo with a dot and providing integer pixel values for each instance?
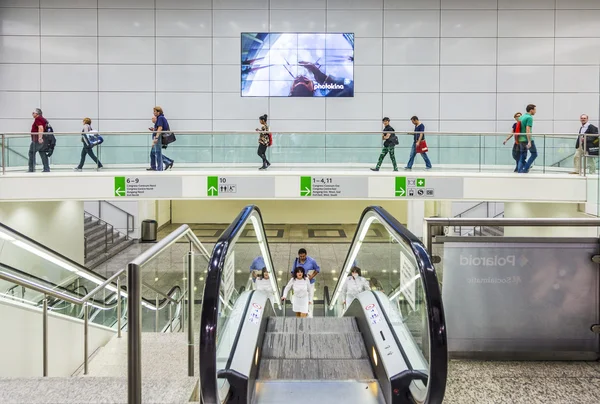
(171, 317)
(45, 336)
(190, 319)
(105, 237)
(156, 314)
(3, 156)
(99, 209)
(134, 335)
(119, 307)
(85, 337)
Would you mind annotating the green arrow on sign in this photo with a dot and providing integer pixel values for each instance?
(305, 186)
(420, 182)
(400, 186)
(120, 189)
(212, 186)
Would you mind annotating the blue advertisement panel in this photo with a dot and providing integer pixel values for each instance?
(297, 64)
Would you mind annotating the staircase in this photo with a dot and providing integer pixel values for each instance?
(482, 209)
(102, 241)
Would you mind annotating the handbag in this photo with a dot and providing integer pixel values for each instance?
(422, 147)
(168, 138)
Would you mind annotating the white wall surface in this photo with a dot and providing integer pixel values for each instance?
(458, 64)
(21, 342)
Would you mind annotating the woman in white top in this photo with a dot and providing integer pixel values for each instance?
(263, 282)
(301, 287)
(87, 148)
(354, 285)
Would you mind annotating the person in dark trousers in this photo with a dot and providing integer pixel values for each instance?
(526, 143)
(418, 137)
(263, 141)
(516, 154)
(87, 149)
(581, 147)
(156, 156)
(390, 140)
(37, 141)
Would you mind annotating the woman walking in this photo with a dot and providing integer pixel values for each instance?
(88, 148)
(355, 284)
(301, 287)
(264, 141)
(515, 150)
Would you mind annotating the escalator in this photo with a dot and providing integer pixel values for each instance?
(385, 345)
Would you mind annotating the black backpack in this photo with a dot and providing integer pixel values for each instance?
(49, 140)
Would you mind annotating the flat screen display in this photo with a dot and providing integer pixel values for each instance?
(297, 64)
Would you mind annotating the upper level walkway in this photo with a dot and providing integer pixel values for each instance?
(472, 166)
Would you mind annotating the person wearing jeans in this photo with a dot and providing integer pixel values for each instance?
(88, 149)
(525, 141)
(156, 156)
(37, 141)
(418, 137)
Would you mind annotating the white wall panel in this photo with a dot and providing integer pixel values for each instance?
(186, 105)
(69, 77)
(526, 5)
(16, 125)
(224, 105)
(469, 4)
(226, 79)
(19, 49)
(412, 23)
(126, 78)
(576, 24)
(425, 79)
(343, 125)
(368, 79)
(569, 106)
(126, 106)
(526, 79)
(18, 77)
(368, 51)
(185, 23)
(525, 51)
(297, 125)
(126, 3)
(467, 106)
(298, 108)
(184, 4)
(69, 22)
(470, 126)
(68, 3)
(235, 125)
(69, 50)
(226, 51)
(578, 4)
(362, 106)
(412, 4)
(298, 21)
(20, 3)
(526, 23)
(469, 23)
(191, 125)
(579, 79)
(355, 4)
(581, 51)
(411, 51)
(477, 79)
(402, 106)
(468, 51)
(295, 4)
(19, 21)
(240, 4)
(508, 104)
(130, 50)
(184, 51)
(184, 78)
(126, 22)
(18, 105)
(63, 105)
(232, 22)
(364, 23)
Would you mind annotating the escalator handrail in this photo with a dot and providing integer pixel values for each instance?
(210, 302)
(438, 347)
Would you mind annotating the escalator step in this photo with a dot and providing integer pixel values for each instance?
(313, 346)
(315, 369)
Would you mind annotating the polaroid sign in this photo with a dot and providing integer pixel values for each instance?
(494, 261)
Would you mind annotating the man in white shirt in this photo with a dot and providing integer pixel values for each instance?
(581, 147)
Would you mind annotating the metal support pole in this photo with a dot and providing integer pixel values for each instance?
(86, 316)
(119, 307)
(45, 336)
(134, 335)
(190, 319)
(170, 316)
(3, 155)
(156, 314)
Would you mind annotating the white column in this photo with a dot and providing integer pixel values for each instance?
(415, 216)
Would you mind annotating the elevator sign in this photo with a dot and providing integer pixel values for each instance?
(429, 187)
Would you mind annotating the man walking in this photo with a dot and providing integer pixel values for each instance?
(390, 140)
(37, 141)
(311, 269)
(525, 140)
(418, 137)
(581, 147)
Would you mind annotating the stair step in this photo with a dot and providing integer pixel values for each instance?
(337, 325)
(315, 369)
(313, 346)
(98, 256)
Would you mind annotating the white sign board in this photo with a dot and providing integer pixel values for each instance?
(408, 280)
(147, 187)
(229, 276)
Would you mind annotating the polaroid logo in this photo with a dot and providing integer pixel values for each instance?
(494, 261)
(329, 86)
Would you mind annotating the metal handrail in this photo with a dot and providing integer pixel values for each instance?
(128, 216)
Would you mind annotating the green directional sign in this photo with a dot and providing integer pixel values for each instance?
(120, 189)
(400, 186)
(305, 186)
(212, 186)
(420, 182)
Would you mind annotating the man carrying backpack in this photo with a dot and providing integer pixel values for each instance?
(390, 140)
(37, 141)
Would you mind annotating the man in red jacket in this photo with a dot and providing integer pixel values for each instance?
(37, 141)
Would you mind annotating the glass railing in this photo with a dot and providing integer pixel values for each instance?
(447, 150)
(404, 280)
(238, 265)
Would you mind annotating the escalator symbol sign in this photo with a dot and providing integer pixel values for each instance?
(369, 307)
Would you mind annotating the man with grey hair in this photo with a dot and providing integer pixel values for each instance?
(37, 141)
(586, 131)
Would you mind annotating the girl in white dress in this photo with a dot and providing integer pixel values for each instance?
(301, 287)
(354, 285)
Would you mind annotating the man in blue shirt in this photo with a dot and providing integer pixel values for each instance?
(311, 269)
(418, 137)
(156, 155)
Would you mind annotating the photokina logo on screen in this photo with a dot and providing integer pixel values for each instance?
(493, 261)
(329, 86)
